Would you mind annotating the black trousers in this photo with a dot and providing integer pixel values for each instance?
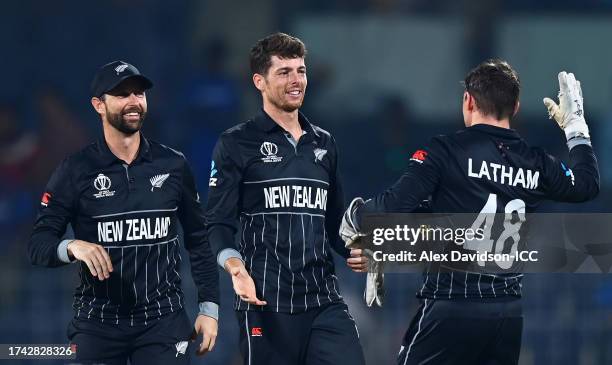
(165, 341)
(321, 336)
(464, 332)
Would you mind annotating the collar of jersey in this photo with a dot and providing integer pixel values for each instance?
(264, 122)
(107, 157)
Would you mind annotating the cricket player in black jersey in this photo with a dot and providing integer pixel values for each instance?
(476, 318)
(124, 197)
(278, 175)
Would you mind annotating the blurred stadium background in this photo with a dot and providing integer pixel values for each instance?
(384, 76)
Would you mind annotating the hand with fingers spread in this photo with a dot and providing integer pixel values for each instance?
(207, 326)
(94, 256)
(242, 281)
(569, 113)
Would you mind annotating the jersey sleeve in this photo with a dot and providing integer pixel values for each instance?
(223, 195)
(418, 182)
(576, 181)
(57, 209)
(335, 208)
(191, 215)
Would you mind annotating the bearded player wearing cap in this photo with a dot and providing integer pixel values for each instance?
(124, 196)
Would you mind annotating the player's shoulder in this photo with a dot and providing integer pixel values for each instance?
(161, 150)
(84, 156)
(77, 162)
(465, 134)
(239, 128)
(238, 131)
(324, 135)
(440, 142)
(535, 153)
(320, 131)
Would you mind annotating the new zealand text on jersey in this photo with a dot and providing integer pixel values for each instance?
(295, 196)
(136, 229)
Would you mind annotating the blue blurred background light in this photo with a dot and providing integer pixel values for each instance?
(384, 76)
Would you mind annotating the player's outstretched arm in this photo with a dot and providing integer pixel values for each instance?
(242, 281)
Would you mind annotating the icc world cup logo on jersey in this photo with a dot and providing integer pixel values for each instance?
(269, 150)
(102, 183)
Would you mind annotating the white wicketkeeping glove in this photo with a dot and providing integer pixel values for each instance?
(349, 232)
(374, 289)
(375, 282)
(569, 114)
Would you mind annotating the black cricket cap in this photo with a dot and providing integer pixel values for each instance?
(114, 73)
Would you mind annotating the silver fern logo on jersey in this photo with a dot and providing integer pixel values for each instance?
(269, 150)
(158, 180)
(102, 183)
(319, 154)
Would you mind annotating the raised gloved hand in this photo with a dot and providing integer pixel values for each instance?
(569, 114)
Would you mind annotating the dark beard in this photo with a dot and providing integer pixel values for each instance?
(286, 107)
(117, 121)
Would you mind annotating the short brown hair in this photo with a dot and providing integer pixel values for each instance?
(495, 86)
(277, 44)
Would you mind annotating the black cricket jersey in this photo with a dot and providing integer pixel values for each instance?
(133, 211)
(288, 200)
(485, 169)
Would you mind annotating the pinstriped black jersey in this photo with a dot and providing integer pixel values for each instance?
(133, 211)
(287, 199)
(485, 169)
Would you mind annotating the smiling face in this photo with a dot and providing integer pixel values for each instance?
(124, 107)
(284, 84)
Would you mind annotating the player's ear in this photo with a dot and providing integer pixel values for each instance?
(516, 108)
(258, 81)
(468, 101)
(97, 104)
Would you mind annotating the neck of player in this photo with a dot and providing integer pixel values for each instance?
(479, 118)
(289, 121)
(122, 145)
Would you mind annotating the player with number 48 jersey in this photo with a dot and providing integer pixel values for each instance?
(469, 317)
